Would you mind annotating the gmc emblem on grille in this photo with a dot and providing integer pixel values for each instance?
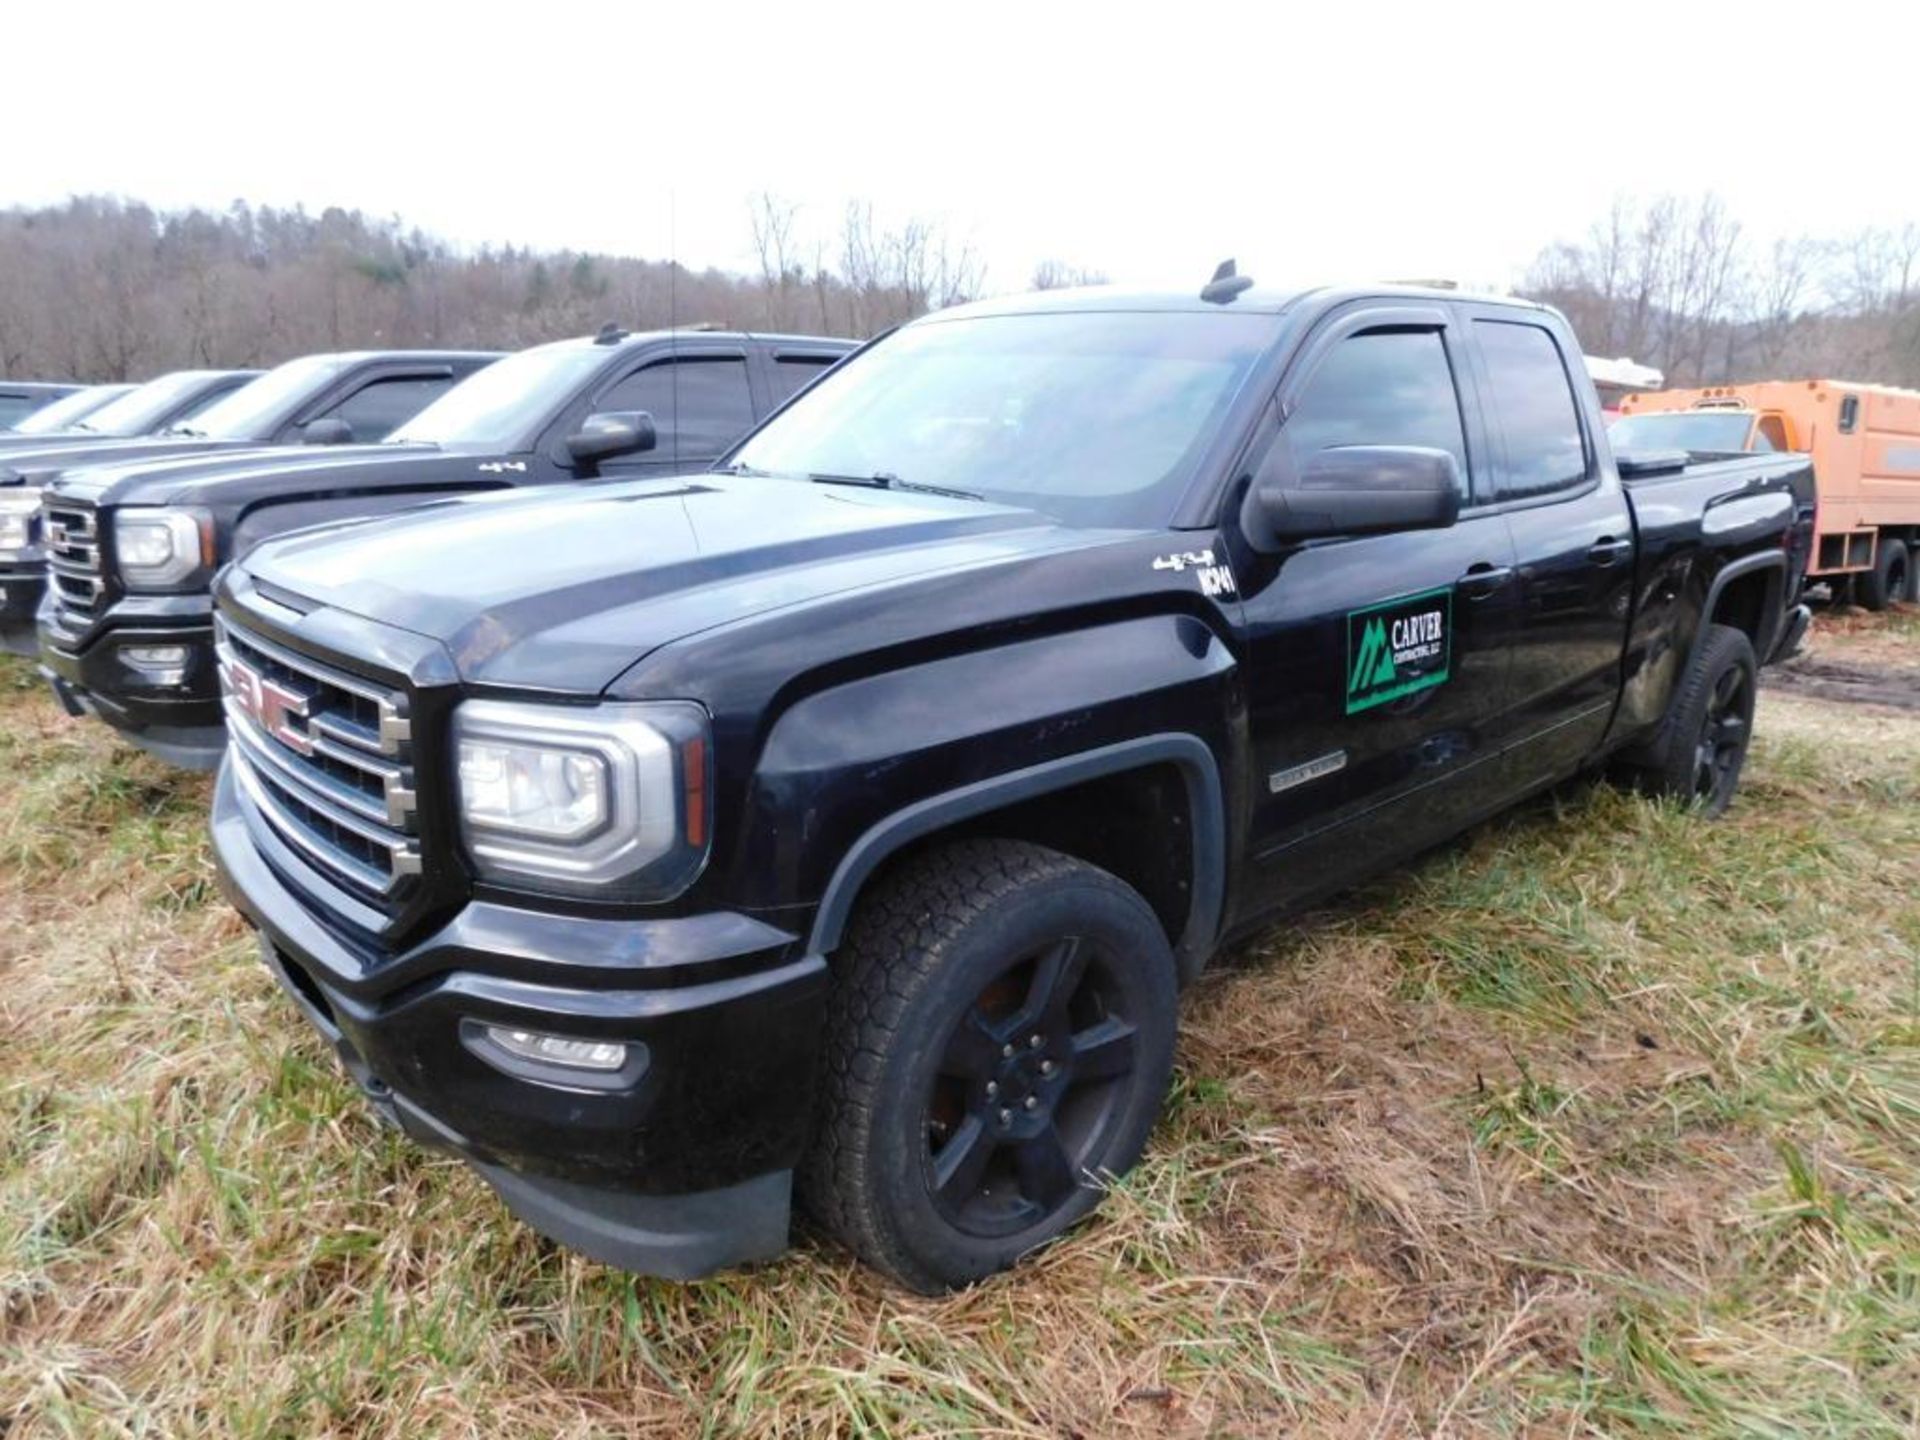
(269, 704)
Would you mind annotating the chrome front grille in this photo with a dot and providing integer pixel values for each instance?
(73, 558)
(327, 760)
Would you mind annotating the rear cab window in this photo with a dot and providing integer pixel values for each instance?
(1531, 406)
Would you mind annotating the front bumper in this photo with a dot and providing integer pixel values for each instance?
(171, 709)
(682, 1167)
(22, 583)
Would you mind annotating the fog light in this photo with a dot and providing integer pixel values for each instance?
(155, 657)
(598, 1055)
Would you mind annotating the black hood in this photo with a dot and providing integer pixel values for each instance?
(228, 478)
(562, 589)
(39, 466)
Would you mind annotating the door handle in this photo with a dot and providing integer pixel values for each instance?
(1606, 550)
(1483, 579)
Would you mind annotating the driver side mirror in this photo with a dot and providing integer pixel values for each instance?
(327, 430)
(611, 433)
(1350, 490)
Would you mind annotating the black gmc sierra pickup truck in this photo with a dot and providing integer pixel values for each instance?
(848, 817)
(127, 411)
(320, 399)
(133, 643)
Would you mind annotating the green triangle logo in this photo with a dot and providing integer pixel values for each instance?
(1373, 667)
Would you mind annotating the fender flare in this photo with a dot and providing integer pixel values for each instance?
(1205, 802)
(1727, 574)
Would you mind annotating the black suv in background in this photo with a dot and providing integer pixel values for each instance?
(322, 399)
(842, 822)
(129, 410)
(131, 639)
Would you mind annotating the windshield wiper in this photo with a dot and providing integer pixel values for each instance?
(738, 469)
(188, 431)
(887, 480)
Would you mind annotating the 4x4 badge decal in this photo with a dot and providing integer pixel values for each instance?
(1398, 647)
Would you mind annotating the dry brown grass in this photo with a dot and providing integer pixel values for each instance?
(1601, 1121)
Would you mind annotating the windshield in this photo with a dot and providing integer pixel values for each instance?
(1719, 432)
(140, 409)
(256, 410)
(500, 407)
(62, 413)
(1096, 418)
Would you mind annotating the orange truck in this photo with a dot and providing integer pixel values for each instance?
(1865, 444)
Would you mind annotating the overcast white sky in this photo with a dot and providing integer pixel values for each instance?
(1350, 141)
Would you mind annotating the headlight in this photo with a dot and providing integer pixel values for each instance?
(17, 523)
(603, 800)
(157, 548)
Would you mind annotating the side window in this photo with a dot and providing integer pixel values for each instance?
(699, 407)
(375, 411)
(1380, 387)
(790, 374)
(1533, 400)
(1772, 434)
(1849, 414)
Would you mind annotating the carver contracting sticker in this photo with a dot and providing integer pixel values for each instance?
(1398, 647)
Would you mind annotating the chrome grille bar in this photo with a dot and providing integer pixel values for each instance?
(325, 758)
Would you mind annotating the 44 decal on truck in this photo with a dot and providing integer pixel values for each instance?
(1398, 647)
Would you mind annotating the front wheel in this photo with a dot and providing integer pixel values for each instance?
(1000, 1039)
(1702, 745)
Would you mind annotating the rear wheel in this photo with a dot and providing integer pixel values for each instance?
(1702, 746)
(1001, 1036)
(1890, 579)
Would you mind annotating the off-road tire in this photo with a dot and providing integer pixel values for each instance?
(1890, 579)
(923, 953)
(1713, 707)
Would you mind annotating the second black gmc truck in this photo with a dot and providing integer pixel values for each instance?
(847, 818)
(317, 399)
(132, 641)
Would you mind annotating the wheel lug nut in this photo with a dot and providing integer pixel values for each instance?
(1034, 1041)
(1006, 1117)
(993, 1088)
(1033, 1103)
(1047, 1067)
(1006, 1052)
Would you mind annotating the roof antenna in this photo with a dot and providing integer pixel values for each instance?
(673, 316)
(610, 334)
(1227, 282)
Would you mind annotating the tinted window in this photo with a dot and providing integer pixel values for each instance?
(375, 411)
(12, 408)
(1389, 387)
(699, 407)
(1533, 402)
(790, 374)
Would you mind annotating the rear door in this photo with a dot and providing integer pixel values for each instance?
(1573, 536)
(1377, 665)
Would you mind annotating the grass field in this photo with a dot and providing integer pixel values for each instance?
(1602, 1121)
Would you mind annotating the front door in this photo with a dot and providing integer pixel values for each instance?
(1377, 665)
